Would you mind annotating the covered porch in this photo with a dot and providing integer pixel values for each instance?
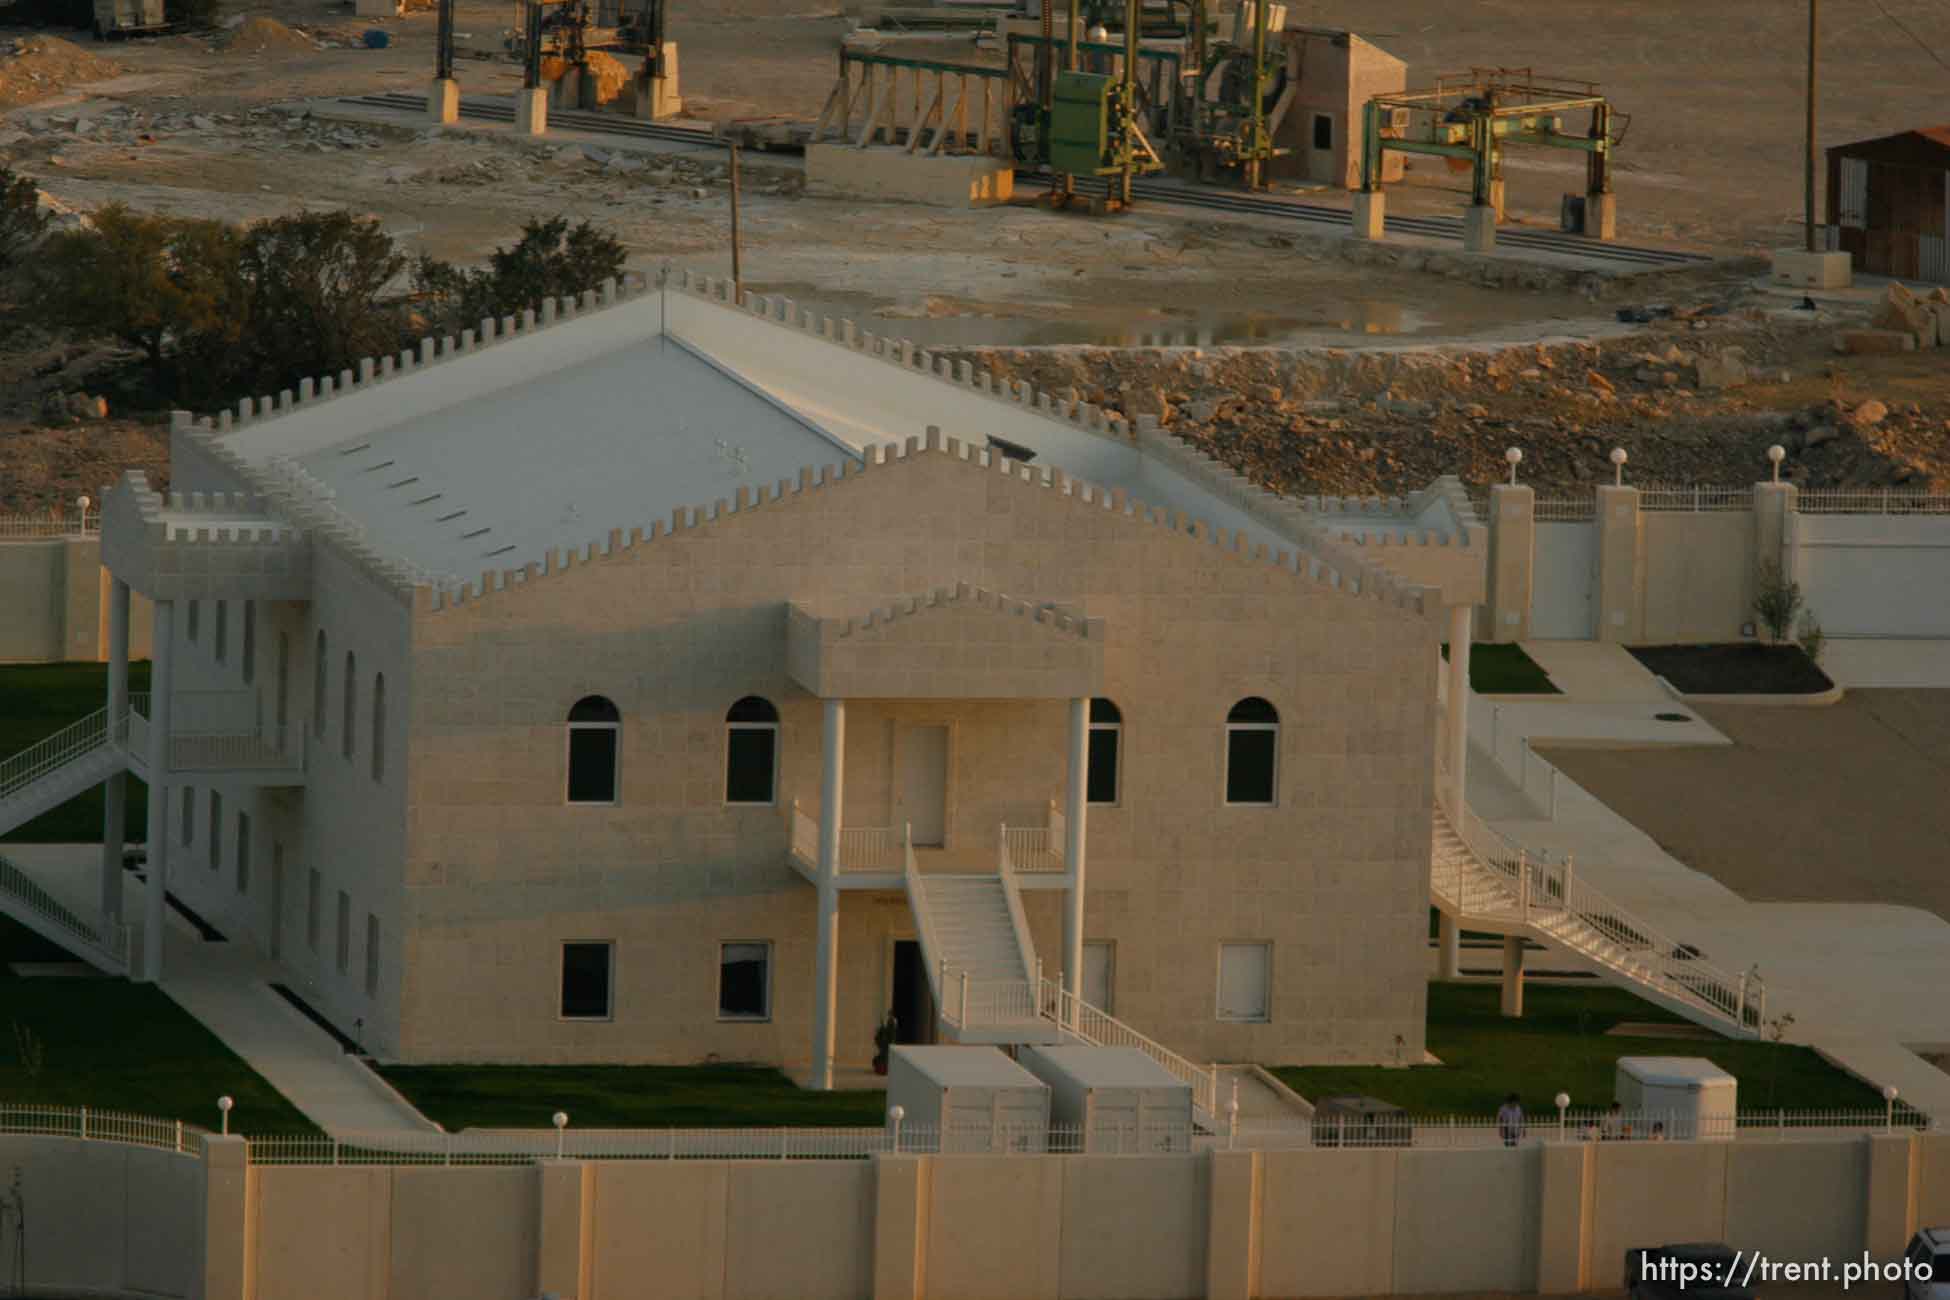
(949, 687)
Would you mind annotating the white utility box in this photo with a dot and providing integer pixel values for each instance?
(1117, 1099)
(1690, 1095)
(976, 1098)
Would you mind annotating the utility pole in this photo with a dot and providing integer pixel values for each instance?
(737, 277)
(1808, 192)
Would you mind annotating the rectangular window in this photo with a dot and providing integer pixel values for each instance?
(345, 932)
(372, 955)
(1100, 974)
(592, 763)
(1251, 756)
(586, 969)
(189, 814)
(1323, 131)
(1101, 783)
(745, 981)
(223, 629)
(311, 910)
(243, 853)
(1245, 981)
(250, 641)
(216, 829)
(196, 607)
(750, 762)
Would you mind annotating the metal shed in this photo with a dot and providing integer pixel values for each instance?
(1889, 203)
(1117, 1099)
(975, 1098)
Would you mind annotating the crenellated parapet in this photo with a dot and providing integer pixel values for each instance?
(201, 545)
(1351, 578)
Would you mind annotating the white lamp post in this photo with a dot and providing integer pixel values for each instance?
(1618, 459)
(1777, 453)
(223, 1103)
(1515, 456)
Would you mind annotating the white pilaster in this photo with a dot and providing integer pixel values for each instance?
(115, 789)
(832, 789)
(1460, 617)
(1448, 936)
(162, 657)
(1075, 801)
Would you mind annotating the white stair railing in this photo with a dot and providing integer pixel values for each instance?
(805, 834)
(1549, 895)
(1099, 1028)
(43, 757)
(871, 848)
(22, 893)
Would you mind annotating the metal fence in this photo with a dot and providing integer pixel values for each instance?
(1871, 501)
(24, 527)
(1565, 510)
(1696, 499)
(101, 1126)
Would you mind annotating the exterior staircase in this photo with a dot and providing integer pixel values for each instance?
(1488, 884)
(981, 961)
(44, 776)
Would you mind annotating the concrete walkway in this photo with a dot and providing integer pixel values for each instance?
(1894, 661)
(1862, 981)
(227, 986)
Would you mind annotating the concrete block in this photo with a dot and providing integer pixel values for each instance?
(443, 101)
(1370, 214)
(1860, 342)
(659, 98)
(1601, 216)
(1479, 228)
(531, 111)
(958, 181)
(1805, 270)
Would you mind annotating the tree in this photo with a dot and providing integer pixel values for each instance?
(162, 284)
(552, 259)
(21, 220)
(316, 283)
(1777, 599)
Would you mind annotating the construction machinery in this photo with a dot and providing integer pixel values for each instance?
(570, 30)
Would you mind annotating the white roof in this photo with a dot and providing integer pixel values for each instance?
(1674, 1071)
(1107, 1067)
(961, 1067)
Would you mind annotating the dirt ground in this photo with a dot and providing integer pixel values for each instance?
(1838, 804)
(193, 124)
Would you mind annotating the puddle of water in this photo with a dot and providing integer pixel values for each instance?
(947, 323)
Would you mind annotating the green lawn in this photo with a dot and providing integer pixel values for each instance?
(111, 1045)
(1504, 670)
(37, 700)
(1561, 1044)
(626, 1096)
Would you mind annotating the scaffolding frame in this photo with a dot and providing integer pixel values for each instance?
(1473, 115)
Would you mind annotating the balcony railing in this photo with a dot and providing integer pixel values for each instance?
(875, 849)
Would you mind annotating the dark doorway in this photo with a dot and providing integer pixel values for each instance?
(913, 1000)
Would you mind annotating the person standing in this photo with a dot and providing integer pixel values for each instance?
(1612, 1128)
(1509, 1120)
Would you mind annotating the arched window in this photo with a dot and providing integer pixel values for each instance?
(379, 726)
(594, 725)
(751, 764)
(1106, 737)
(351, 703)
(318, 686)
(1252, 751)
(250, 641)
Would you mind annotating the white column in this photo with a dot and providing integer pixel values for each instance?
(1075, 789)
(158, 838)
(115, 789)
(1448, 936)
(826, 984)
(1512, 1000)
(1460, 617)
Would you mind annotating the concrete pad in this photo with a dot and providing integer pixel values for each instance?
(1590, 671)
(1370, 214)
(886, 172)
(443, 101)
(1893, 662)
(1799, 267)
(531, 111)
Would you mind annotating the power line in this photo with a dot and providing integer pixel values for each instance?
(1912, 35)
